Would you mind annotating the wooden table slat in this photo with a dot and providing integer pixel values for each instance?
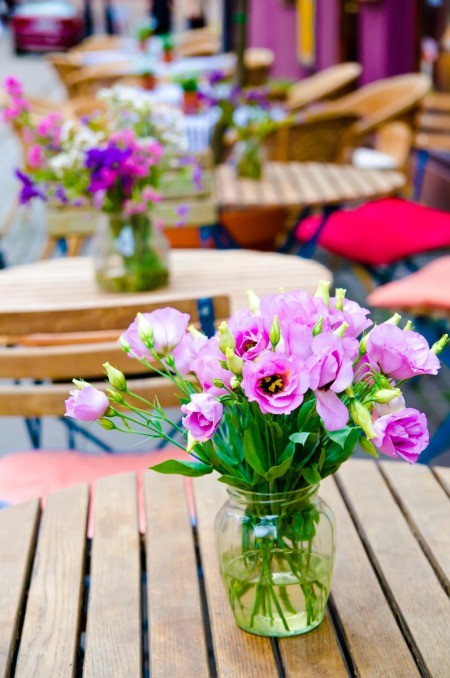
(49, 639)
(408, 578)
(113, 633)
(233, 647)
(177, 639)
(427, 509)
(443, 475)
(18, 526)
(376, 648)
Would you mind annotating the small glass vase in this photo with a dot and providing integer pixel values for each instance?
(276, 554)
(130, 254)
(248, 159)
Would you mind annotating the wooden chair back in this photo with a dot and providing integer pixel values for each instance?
(257, 64)
(37, 365)
(318, 137)
(86, 81)
(396, 98)
(326, 84)
(64, 64)
(100, 42)
(198, 42)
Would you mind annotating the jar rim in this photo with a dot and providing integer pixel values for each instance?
(248, 495)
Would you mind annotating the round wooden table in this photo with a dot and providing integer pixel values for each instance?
(69, 282)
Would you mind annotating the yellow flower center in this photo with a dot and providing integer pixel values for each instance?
(272, 384)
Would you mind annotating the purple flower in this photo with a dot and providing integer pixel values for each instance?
(400, 354)
(187, 351)
(182, 211)
(203, 416)
(29, 189)
(13, 87)
(168, 328)
(207, 367)
(197, 176)
(214, 77)
(353, 314)
(403, 434)
(250, 335)
(87, 404)
(331, 372)
(276, 382)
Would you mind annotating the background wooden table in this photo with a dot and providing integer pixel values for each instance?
(69, 607)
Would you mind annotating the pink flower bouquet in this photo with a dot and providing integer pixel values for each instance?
(273, 403)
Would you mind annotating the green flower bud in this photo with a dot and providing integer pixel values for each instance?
(195, 332)
(369, 447)
(362, 418)
(224, 337)
(275, 333)
(191, 442)
(115, 396)
(253, 301)
(235, 382)
(80, 383)
(394, 319)
(234, 363)
(218, 383)
(386, 395)
(115, 377)
(317, 329)
(409, 325)
(439, 346)
(323, 291)
(340, 296)
(350, 392)
(341, 330)
(107, 424)
(145, 331)
(124, 344)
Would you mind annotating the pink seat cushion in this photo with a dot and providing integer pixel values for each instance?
(27, 475)
(381, 232)
(428, 289)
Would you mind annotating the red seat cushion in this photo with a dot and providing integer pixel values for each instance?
(381, 232)
(426, 290)
(27, 475)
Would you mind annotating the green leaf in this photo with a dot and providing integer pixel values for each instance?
(234, 482)
(252, 452)
(305, 411)
(194, 469)
(311, 474)
(300, 437)
(340, 436)
(284, 465)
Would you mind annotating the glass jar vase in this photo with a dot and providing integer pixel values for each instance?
(248, 159)
(276, 554)
(130, 254)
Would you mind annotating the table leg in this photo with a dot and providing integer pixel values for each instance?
(422, 159)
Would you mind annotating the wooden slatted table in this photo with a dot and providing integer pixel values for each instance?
(126, 604)
(304, 184)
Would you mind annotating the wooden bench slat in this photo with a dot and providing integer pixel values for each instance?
(356, 591)
(113, 633)
(408, 578)
(443, 474)
(49, 639)
(427, 508)
(17, 529)
(237, 653)
(177, 639)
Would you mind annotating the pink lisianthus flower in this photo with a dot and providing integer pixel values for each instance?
(395, 405)
(150, 195)
(403, 434)
(331, 372)
(250, 335)
(87, 404)
(131, 207)
(203, 416)
(207, 367)
(168, 329)
(400, 354)
(292, 306)
(13, 87)
(155, 151)
(35, 156)
(276, 382)
(187, 351)
(50, 128)
(352, 313)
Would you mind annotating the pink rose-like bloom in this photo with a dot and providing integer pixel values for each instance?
(353, 314)
(400, 354)
(168, 326)
(86, 404)
(276, 382)
(187, 351)
(50, 127)
(296, 306)
(207, 367)
(131, 207)
(403, 434)
(249, 333)
(203, 416)
(331, 372)
(35, 156)
(13, 87)
(150, 195)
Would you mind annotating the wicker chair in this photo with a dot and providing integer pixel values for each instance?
(88, 80)
(326, 84)
(64, 64)
(257, 64)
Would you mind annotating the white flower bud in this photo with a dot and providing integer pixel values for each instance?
(145, 331)
(253, 301)
(323, 291)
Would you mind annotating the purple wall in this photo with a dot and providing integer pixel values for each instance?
(387, 36)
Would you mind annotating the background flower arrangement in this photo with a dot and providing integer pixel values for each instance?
(276, 401)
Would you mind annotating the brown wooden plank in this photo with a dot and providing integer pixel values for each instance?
(408, 578)
(288, 191)
(237, 653)
(177, 639)
(227, 187)
(309, 189)
(17, 529)
(314, 654)
(113, 632)
(376, 648)
(427, 509)
(49, 640)
(443, 475)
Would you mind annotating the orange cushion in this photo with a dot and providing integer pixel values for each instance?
(428, 289)
(27, 475)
